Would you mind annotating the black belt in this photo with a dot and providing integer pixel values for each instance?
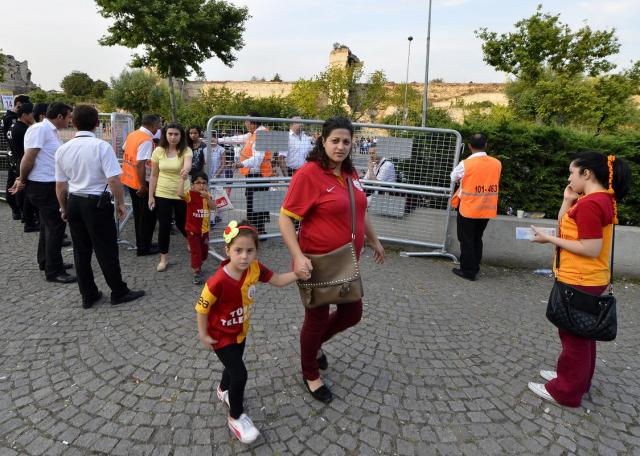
(86, 195)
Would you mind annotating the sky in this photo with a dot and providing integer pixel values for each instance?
(294, 38)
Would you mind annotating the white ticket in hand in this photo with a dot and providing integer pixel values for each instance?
(526, 234)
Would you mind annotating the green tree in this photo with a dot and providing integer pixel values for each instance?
(396, 100)
(137, 92)
(306, 95)
(541, 42)
(99, 88)
(177, 36)
(276, 78)
(51, 96)
(562, 77)
(77, 84)
(340, 91)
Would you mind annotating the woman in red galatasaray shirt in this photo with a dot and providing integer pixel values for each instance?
(586, 220)
(318, 197)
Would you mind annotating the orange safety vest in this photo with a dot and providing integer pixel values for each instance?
(477, 196)
(581, 270)
(247, 152)
(129, 175)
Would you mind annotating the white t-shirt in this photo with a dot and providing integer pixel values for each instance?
(299, 148)
(44, 136)
(86, 163)
(216, 160)
(385, 171)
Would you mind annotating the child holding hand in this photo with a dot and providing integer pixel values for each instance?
(223, 313)
(199, 205)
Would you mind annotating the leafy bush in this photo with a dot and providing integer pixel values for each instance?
(535, 162)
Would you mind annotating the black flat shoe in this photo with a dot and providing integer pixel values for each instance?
(460, 273)
(323, 363)
(88, 303)
(63, 278)
(323, 394)
(131, 295)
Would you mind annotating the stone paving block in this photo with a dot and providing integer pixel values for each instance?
(448, 379)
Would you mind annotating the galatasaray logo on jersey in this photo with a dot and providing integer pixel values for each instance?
(251, 292)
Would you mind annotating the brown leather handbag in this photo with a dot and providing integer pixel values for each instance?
(335, 278)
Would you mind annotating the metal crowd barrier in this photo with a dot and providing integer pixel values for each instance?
(412, 211)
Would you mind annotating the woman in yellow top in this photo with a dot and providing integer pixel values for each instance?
(170, 160)
(586, 220)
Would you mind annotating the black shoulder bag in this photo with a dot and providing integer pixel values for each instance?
(583, 314)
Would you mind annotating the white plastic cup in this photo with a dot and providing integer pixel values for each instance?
(520, 213)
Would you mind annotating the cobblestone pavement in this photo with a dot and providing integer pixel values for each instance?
(437, 366)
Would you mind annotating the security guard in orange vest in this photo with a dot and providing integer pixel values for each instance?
(253, 163)
(477, 201)
(135, 173)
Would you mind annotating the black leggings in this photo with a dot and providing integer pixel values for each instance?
(234, 376)
(167, 210)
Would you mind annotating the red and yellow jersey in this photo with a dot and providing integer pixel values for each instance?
(198, 213)
(228, 302)
(320, 200)
(590, 218)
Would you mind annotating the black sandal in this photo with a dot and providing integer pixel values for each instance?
(323, 394)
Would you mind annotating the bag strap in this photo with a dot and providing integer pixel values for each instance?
(613, 248)
(352, 204)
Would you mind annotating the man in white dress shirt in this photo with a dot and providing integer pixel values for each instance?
(85, 167)
(37, 173)
(300, 144)
(379, 168)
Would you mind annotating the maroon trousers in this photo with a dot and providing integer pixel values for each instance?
(199, 246)
(576, 365)
(319, 326)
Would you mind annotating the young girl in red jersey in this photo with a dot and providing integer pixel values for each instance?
(224, 311)
(586, 219)
(199, 206)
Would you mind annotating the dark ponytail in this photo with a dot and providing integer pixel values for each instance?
(598, 164)
(621, 178)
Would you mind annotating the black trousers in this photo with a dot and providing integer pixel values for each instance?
(470, 233)
(43, 196)
(19, 203)
(168, 209)
(14, 201)
(234, 376)
(144, 221)
(94, 230)
(257, 219)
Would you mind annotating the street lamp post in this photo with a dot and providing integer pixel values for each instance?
(426, 72)
(406, 85)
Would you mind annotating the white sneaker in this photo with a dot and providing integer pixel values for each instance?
(540, 390)
(243, 428)
(548, 375)
(223, 395)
